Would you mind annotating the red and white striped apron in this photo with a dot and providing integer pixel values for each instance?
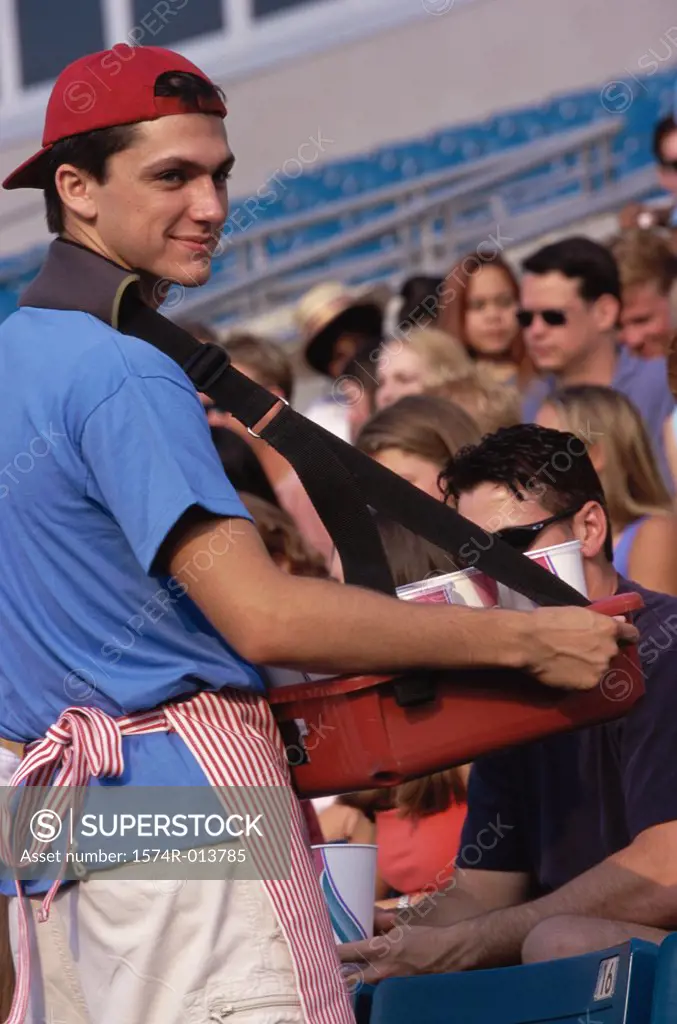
(236, 742)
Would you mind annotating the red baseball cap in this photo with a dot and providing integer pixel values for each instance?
(105, 89)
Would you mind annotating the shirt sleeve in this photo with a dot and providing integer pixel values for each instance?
(149, 457)
(649, 735)
(493, 834)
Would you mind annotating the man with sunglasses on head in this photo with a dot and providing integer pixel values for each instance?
(570, 843)
(570, 310)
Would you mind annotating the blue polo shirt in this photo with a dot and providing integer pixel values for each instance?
(104, 446)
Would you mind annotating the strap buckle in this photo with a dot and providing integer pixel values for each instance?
(206, 365)
(253, 432)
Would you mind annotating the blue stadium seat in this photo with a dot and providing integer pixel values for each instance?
(664, 1007)
(653, 96)
(613, 986)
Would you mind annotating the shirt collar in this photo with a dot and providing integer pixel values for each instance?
(74, 277)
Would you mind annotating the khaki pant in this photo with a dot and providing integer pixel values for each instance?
(116, 951)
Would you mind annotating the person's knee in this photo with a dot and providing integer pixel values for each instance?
(553, 939)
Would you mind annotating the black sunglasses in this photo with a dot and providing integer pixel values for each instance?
(669, 165)
(522, 537)
(552, 317)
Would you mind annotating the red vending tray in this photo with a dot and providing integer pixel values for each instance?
(362, 732)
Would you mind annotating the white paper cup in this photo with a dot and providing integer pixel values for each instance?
(563, 560)
(347, 873)
(468, 587)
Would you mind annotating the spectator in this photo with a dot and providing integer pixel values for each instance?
(356, 387)
(578, 832)
(336, 323)
(416, 361)
(416, 828)
(491, 404)
(266, 363)
(571, 296)
(420, 296)
(416, 437)
(478, 304)
(648, 271)
(665, 154)
(643, 522)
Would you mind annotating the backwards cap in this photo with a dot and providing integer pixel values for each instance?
(112, 87)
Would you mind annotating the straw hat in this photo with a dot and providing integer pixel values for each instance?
(331, 307)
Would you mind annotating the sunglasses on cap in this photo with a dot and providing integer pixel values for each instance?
(552, 317)
(522, 537)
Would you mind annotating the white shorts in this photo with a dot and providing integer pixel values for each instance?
(116, 951)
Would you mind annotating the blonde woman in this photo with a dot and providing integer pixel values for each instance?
(643, 522)
(416, 362)
(416, 436)
(491, 405)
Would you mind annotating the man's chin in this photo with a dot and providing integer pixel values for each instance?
(193, 276)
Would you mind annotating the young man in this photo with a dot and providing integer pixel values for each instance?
(648, 272)
(570, 309)
(136, 591)
(577, 833)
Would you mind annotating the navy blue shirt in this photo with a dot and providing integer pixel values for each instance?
(562, 805)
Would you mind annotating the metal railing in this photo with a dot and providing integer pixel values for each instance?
(437, 218)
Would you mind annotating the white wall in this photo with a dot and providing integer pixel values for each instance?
(431, 72)
(439, 71)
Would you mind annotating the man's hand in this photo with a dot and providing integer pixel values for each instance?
(572, 647)
(404, 951)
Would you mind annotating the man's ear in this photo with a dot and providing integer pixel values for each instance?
(590, 528)
(76, 192)
(607, 311)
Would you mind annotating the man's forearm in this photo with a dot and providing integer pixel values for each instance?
(638, 884)
(272, 618)
(376, 633)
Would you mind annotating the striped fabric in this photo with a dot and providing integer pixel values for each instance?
(236, 742)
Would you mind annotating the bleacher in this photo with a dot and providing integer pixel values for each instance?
(332, 186)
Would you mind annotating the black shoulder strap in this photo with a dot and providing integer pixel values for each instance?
(343, 483)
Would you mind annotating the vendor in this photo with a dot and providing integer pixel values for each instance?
(137, 598)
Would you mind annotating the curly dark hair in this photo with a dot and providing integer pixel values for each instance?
(551, 466)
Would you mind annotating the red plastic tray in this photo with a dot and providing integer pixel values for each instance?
(353, 732)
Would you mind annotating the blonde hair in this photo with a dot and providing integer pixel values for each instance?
(632, 482)
(491, 404)
(442, 356)
(431, 427)
(644, 257)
